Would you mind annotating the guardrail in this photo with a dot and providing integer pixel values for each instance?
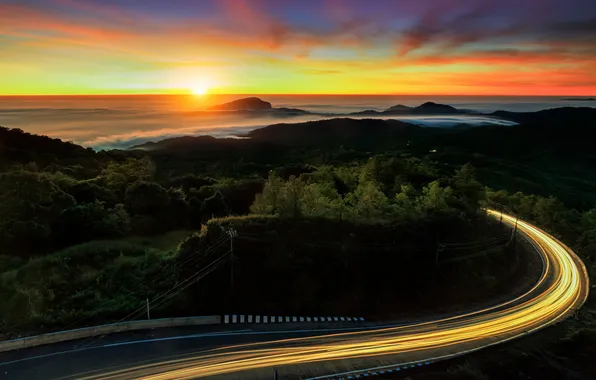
(87, 332)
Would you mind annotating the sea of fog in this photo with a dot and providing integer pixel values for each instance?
(105, 122)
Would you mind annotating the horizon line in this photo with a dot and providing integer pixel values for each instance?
(279, 94)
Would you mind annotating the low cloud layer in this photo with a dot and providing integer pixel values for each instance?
(116, 122)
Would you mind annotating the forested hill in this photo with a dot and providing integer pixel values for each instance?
(337, 131)
(18, 147)
(549, 153)
(564, 116)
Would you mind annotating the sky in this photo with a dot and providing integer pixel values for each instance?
(456, 47)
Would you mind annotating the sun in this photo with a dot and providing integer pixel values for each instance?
(201, 88)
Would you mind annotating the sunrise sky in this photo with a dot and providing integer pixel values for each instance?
(498, 47)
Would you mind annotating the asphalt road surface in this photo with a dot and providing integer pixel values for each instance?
(319, 353)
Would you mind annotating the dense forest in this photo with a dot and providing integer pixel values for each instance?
(88, 236)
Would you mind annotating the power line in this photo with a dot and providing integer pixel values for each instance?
(188, 282)
(165, 271)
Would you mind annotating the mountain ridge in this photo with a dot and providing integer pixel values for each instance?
(346, 128)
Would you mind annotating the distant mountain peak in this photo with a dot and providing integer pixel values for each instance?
(436, 106)
(251, 103)
(426, 108)
(399, 107)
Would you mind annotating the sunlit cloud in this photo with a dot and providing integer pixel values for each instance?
(275, 46)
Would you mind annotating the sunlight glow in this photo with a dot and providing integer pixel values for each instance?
(200, 88)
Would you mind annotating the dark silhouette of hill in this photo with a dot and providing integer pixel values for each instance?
(551, 126)
(398, 108)
(251, 103)
(585, 116)
(291, 111)
(19, 147)
(177, 142)
(331, 132)
(435, 108)
(580, 99)
(335, 131)
(428, 108)
(248, 107)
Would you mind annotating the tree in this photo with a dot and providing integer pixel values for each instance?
(90, 221)
(467, 188)
(317, 200)
(190, 181)
(268, 201)
(405, 201)
(289, 198)
(546, 212)
(370, 171)
(368, 201)
(434, 197)
(500, 196)
(347, 179)
(30, 196)
(80, 223)
(240, 195)
(29, 204)
(588, 222)
(178, 210)
(117, 221)
(119, 174)
(87, 192)
(524, 204)
(146, 198)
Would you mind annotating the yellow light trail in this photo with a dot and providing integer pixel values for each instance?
(562, 289)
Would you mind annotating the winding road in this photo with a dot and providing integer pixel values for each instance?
(560, 291)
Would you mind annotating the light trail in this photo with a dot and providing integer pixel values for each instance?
(562, 289)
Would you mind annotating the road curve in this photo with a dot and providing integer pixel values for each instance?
(560, 291)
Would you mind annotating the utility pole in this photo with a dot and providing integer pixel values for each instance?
(233, 233)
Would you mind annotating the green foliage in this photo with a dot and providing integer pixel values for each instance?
(588, 221)
(117, 221)
(118, 175)
(466, 188)
(63, 181)
(190, 181)
(88, 192)
(30, 196)
(88, 221)
(368, 202)
(405, 202)
(97, 279)
(354, 193)
(146, 198)
(435, 197)
(30, 203)
(546, 212)
(268, 201)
